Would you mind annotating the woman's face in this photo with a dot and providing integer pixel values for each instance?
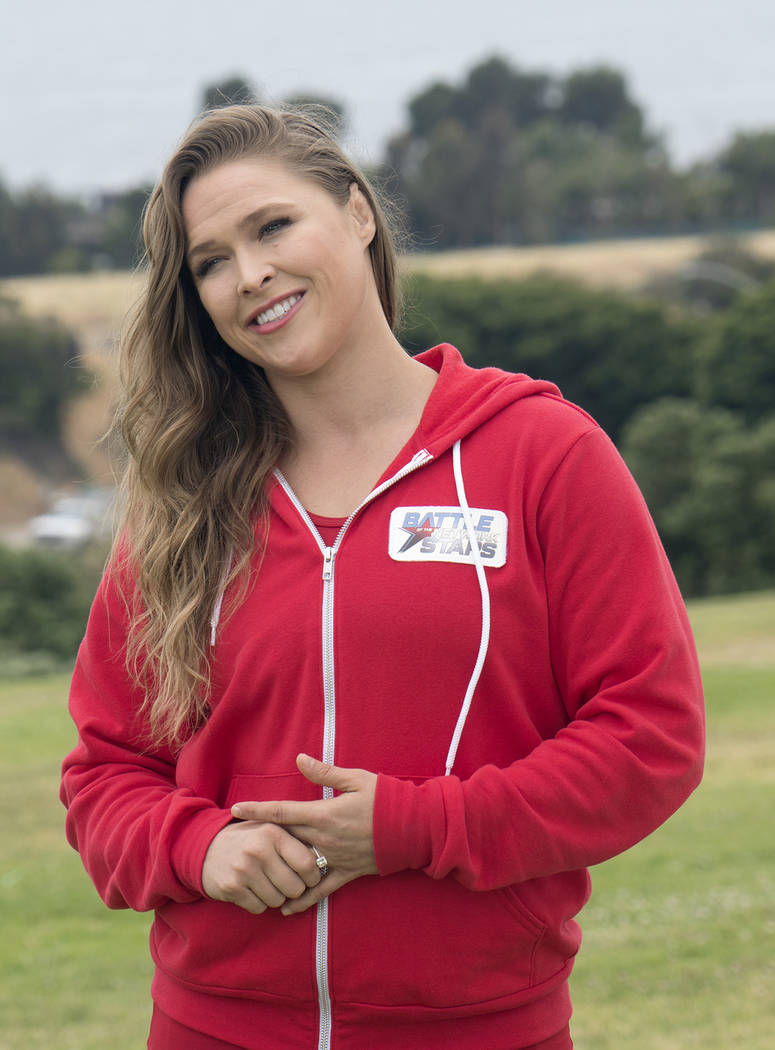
(281, 267)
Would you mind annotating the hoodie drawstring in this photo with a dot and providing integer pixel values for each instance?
(216, 613)
(485, 592)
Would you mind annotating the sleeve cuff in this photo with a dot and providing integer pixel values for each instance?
(403, 820)
(189, 850)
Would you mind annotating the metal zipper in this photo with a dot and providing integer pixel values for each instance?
(329, 703)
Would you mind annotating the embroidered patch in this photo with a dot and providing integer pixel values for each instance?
(440, 534)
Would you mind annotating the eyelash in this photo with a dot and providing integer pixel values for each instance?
(267, 229)
(204, 268)
(274, 226)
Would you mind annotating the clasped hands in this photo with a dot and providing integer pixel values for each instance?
(265, 860)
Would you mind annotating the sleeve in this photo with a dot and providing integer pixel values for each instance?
(141, 838)
(624, 662)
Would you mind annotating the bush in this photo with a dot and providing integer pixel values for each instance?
(39, 372)
(709, 481)
(44, 604)
(738, 360)
(608, 353)
(689, 401)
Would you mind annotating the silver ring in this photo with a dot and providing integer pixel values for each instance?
(321, 862)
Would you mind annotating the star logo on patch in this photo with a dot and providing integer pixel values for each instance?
(416, 534)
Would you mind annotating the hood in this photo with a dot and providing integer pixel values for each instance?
(464, 397)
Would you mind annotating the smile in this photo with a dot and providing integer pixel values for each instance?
(274, 313)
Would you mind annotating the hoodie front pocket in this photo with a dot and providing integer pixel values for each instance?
(409, 940)
(271, 787)
(224, 948)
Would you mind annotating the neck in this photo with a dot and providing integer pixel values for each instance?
(356, 396)
(350, 421)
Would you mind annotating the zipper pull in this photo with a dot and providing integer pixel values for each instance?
(328, 563)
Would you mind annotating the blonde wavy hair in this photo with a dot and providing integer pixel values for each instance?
(201, 425)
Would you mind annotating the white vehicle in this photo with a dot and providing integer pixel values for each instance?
(72, 521)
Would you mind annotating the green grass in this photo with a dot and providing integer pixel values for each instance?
(73, 976)
(678, 935)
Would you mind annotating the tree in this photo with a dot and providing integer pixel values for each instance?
(492, 85)
(596, 184)
(39, 373)
(458, 196)
(33, 229)
(121, 240)
(599, 98)
(510, 156)
(331, 111)
(734, 188)
(749, 163)
(227, 92)
(496, 85)
(433, 106)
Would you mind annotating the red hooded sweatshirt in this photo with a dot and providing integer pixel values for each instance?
(497, 633)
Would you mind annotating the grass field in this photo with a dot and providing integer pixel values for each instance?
(679, 935)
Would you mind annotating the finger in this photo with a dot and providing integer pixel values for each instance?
(286, 872)
(302, 859)
(326, 775)
(270, 886)
(333, 881)
(301, 813)
(244, 897)
(285, 812)
(249, 901)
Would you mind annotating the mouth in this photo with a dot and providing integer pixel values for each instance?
(275, 313)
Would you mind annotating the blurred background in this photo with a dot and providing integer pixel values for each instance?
(590, 198)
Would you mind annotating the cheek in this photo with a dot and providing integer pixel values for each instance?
(215, 302)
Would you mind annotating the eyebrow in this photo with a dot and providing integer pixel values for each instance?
(253, 218)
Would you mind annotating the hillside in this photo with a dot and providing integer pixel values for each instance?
(95, 305)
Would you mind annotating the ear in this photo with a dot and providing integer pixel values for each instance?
(363, 216)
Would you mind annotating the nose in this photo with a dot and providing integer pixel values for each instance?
(254, 272)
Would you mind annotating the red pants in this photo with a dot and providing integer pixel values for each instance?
(167, 1034)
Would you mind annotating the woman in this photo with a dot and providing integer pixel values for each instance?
(388, 652)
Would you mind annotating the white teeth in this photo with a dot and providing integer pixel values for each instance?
(278, 310)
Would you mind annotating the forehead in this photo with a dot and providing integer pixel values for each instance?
(224, 191)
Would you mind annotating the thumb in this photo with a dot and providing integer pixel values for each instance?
(325, 775)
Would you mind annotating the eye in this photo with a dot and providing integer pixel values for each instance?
(205, 267)
(270, 228)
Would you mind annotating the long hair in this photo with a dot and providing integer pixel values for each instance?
(201, 424)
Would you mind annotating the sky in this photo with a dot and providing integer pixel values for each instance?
(95, 95)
